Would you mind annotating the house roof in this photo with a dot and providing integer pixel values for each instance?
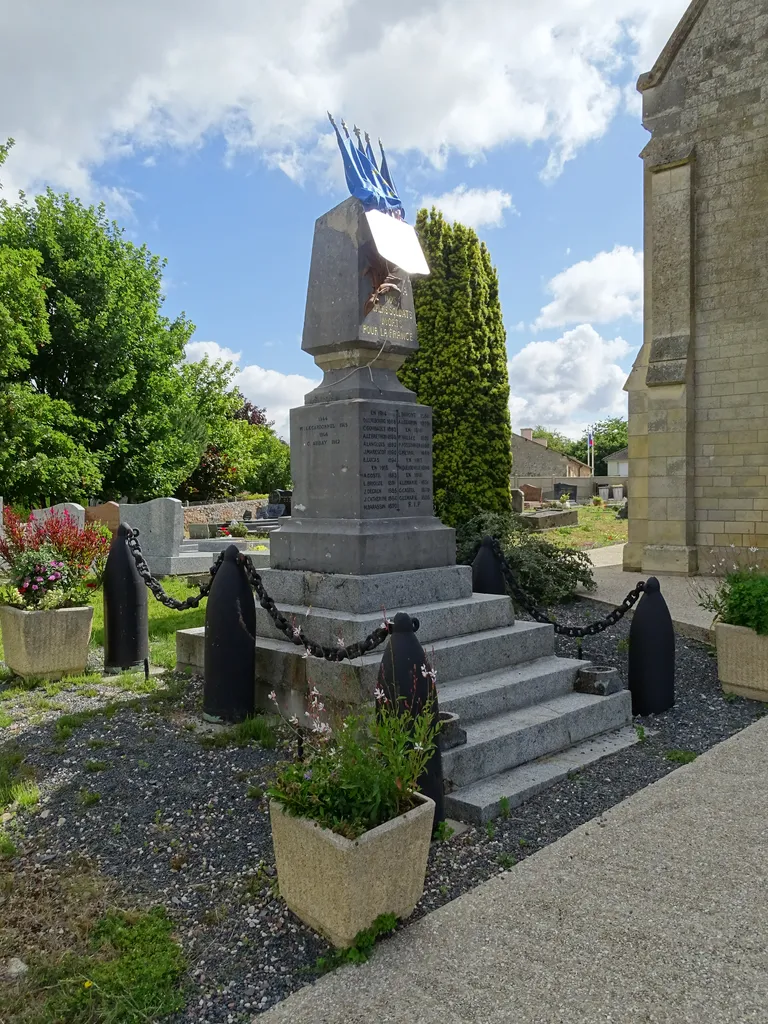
(674, 43)
(623, 453)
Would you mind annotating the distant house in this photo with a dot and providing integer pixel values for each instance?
(618, 463)
(537, 465)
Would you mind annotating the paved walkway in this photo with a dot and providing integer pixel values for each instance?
(657, 912)
(680, 592)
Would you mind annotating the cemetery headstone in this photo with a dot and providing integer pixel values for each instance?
(76, 512)
(518, 500)
(530, 493)
(108, 513)
(160, 523)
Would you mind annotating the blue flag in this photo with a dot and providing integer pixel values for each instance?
(364, 180)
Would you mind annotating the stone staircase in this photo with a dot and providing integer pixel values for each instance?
(526, 725)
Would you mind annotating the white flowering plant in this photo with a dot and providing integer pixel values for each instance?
(741, 598)
(362, 774)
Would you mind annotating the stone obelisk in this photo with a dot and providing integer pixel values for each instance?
(361, 448)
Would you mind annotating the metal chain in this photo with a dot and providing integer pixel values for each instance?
(531, 607)
(296, 635)
(292, 633)
(132, 540)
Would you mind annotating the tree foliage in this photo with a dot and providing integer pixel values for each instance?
(610, 436)
(460, 370)
(556, 441)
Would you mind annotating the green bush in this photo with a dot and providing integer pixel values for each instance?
(547, 573)
(238, 529)
(742, 600)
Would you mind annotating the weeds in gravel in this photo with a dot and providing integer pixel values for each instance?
(442, 832)
(254, 793)
(490, 829)
(681, 756)
(641, 734)
(256, 729)
(25, 794)
(504, 807)
(98, 744)
(7, 849)
(623, 645)
(361, 948)
(89, 797)
(506, 861)
(65, 726)
(95, 766)
(5, 720)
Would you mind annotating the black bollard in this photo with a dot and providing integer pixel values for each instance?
(230, 644)
(401, 676)
(487, 576)
(126, 624)
(652, 653)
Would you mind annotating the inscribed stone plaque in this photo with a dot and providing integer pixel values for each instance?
(362, 460)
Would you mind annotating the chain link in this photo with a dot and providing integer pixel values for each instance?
(296, 635)
(132, 540)
(531, 607)
(292, 633)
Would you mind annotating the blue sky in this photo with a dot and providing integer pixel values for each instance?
(206, 137)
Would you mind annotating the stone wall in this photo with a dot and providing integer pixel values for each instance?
(698, 393)
(582, 488)
(222, 512)
(531, 459)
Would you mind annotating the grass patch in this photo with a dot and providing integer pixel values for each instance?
(65, 726)
(681, 756)
(95, 766)
(7, 849)
(14, 774)
(443, 832)
(259, 729)
(5, 720)
(89, 797)
(89, 963)
(598, 527)
(25, 794)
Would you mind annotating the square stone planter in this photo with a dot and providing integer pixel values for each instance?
(47, 644)
(742, 661)
(340, 886)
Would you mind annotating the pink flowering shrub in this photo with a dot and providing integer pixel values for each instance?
(361, 775)
(51, 563)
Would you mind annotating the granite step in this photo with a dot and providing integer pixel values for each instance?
(481, 801)
(496, 745)
(509, 689)
(437, 621)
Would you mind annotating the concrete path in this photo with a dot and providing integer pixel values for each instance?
(680, 592)
(657, 912)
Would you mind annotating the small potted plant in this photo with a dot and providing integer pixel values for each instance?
(45, 612)
(350, 831)
(740, 607)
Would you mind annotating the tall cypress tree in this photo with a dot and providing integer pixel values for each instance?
(460, 370)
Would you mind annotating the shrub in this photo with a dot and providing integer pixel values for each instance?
(741, 600)
(597, 501)
(238, 529)
(364, 774)
(548, 574)
(51, 562)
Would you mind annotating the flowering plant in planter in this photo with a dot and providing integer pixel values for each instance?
(364, 773)
(53, 562)
(741, 597)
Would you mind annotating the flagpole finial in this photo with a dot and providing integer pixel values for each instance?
(344, 126)
(330, 118)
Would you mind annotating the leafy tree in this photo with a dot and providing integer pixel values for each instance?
(271, 465)
(460, 370)
(252, 413)
(40, 456)
(111, 353)
(213, 477)
(610, 436)
(555, 440)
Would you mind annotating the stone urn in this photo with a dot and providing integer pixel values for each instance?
(46, 644)
(742, 661)
(340, 886)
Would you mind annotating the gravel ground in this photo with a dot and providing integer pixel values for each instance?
(179, 824)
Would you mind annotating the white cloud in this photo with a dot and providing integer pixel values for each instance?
(600, 290)
(83, 83)
(568, 383)
(475, 207)
(276, 392)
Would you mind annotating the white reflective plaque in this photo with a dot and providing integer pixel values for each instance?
(397, 242)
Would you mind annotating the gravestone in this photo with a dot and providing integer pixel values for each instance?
(247, 516)
(108, 513)
(76, 512)
(361, 448)
(160, 523)
(518, 500)
(274, 511)
(531, 493)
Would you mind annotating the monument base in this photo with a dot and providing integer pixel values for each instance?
(515, 699)
(363, 546)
